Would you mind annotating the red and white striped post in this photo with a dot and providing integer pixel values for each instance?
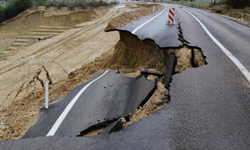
(171, 16)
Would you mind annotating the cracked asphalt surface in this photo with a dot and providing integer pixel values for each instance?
(209, 107)
(108, 98)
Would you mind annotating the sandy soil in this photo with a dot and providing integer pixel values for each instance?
(66, 60)
(234, 14)
(59, 56)
(23, 72)
(158, 100)
(71, 58)
(41, 16)
(228, 12)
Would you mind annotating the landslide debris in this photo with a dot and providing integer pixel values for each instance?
(134, 58)
(157, 101)
(134, 55)
(188, 58)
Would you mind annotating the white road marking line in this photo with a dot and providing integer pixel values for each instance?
(69, 106)
(243, 70)
(148, 21)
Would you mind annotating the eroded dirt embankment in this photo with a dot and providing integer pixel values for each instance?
(37, 22)
(232, 13)
(66, 60)
(51, 17)
(132, 53)
(23, 72)
(72, 58)
(131, 56)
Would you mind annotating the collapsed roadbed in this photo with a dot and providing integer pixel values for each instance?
(67, 59)
(131, 56)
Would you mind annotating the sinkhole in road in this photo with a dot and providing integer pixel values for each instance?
(131, 53)
(134, 57)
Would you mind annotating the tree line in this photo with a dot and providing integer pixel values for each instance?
(13, 8)
(16, 7)
(238, 3)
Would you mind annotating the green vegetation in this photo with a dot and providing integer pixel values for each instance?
(238, 3)
(72, 5)
(3, 5)
(39, 2)
(15, 7)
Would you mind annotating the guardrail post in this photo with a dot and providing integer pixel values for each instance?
(47, 95)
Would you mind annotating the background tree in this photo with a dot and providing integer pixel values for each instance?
(238, 3)
(14, 8)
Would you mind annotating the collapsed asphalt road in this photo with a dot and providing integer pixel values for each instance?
(106, 97)
(209, 106)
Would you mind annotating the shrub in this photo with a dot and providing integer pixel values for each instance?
(93, 4)
(71, 6)
(82, 4)
(40, 2)
(48, 4)
(14, 8)
(102, 3)
(59, 5)
(113, 3)
(238, 3)
(2, 16)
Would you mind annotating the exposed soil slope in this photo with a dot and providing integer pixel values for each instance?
(233, 13)
(66, 60)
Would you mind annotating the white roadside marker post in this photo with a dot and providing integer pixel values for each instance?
(153, 8)
(47, 95)
(241, 18)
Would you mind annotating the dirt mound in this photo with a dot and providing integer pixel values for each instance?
(41, 16)
(229, 12)
(128, 17)
(131, 52)
(234, 13)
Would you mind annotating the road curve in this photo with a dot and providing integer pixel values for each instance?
(209, 106)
